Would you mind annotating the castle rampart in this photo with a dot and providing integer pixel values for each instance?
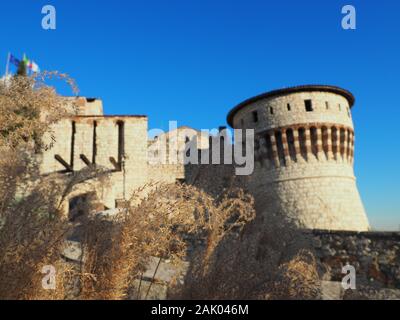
(304, 154)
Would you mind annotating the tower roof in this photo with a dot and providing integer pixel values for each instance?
(304, 88)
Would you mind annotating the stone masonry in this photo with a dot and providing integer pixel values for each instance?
(304, 150)
(375, 255)
(93, 138)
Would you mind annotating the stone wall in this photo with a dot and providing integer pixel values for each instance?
(323, 196)
(288, 109)
(167, 152)
(166, 173)
(375, 256)
(118, 144)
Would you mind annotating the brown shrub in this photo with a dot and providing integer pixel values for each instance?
(117, 251)
(32, 228)
(296, 279)
(246, 263)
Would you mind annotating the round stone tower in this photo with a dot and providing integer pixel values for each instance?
(304, 149)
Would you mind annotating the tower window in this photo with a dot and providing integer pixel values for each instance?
(327, 105)
(94, 145)
(242, 123)
(73, 143)
(255, 116)
(340, 107)
(289, 107)
(121, 140)
(308, 104)
(271, 110)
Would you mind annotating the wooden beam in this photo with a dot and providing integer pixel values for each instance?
(116, 164)
(86, 160)
(63, 162)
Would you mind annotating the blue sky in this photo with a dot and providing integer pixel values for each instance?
(192, 61)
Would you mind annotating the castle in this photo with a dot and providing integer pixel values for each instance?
(303, 152)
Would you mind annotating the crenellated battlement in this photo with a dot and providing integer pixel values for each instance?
(292, 144)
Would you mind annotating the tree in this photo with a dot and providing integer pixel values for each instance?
(22, 71)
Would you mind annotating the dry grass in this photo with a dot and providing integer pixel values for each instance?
(28, 108)
(243, 256)
(32, 228)
(249, 262)
(117, 249)
(295, 279)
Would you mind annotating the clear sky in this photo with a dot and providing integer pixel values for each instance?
(192, 61)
